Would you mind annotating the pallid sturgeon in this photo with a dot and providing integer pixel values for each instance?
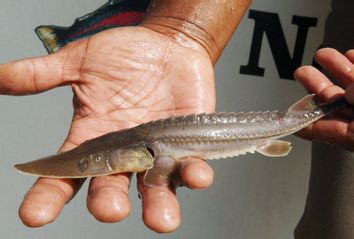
(208, 136)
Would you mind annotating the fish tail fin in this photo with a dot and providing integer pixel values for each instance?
(49, 37)
(306, 104)
(309, 104)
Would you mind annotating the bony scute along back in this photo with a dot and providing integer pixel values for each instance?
(208, 136)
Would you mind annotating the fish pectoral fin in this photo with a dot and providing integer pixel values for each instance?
(165, 172)
(276, 148)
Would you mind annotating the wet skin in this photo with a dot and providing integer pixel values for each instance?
(120, 78)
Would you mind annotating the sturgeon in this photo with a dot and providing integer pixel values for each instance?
(207, 136)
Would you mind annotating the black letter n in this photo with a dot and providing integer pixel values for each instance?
(269, 24)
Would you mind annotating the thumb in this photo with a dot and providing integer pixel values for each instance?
(34, 75)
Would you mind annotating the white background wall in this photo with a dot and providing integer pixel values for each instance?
(253, 197)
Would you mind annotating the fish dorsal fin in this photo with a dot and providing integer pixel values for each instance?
(276, 148)
(305, 104)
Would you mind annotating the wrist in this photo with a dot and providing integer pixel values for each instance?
(206, 24)
(185, 33)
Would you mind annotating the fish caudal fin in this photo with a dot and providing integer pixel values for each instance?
(49, 37)
(276, 148)
(306, 104)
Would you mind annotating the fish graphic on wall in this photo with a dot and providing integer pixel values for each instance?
(115, 13)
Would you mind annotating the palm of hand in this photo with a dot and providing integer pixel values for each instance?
(134, 75)
(120, 78)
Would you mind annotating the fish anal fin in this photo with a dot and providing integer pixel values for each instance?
(276, 148)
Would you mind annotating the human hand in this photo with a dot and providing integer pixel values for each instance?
(339, 128)
(349, 93)
(120, 78)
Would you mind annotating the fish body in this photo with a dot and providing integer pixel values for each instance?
(228, 134)
(209, 136)
(115, 13)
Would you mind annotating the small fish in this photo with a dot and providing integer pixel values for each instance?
(115, 13)
(156, 145)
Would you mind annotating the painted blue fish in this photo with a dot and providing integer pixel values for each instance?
(115, 13)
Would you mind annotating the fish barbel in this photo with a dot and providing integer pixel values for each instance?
(208, 136)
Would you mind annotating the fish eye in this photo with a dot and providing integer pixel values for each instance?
(97, 158)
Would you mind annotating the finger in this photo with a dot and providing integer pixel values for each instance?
(47, 197)
(39, 74)
(350, 55)
(332, 131)
(160, 207)
(312, 79)
(330, 93)
(349, 94)
(196, 174)
(339, 66)
(108, 199)
(315, 82)
(45, 200)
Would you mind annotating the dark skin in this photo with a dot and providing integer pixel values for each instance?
(203, 21)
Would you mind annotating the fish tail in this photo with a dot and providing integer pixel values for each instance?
(49, 37)
(308, 104)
